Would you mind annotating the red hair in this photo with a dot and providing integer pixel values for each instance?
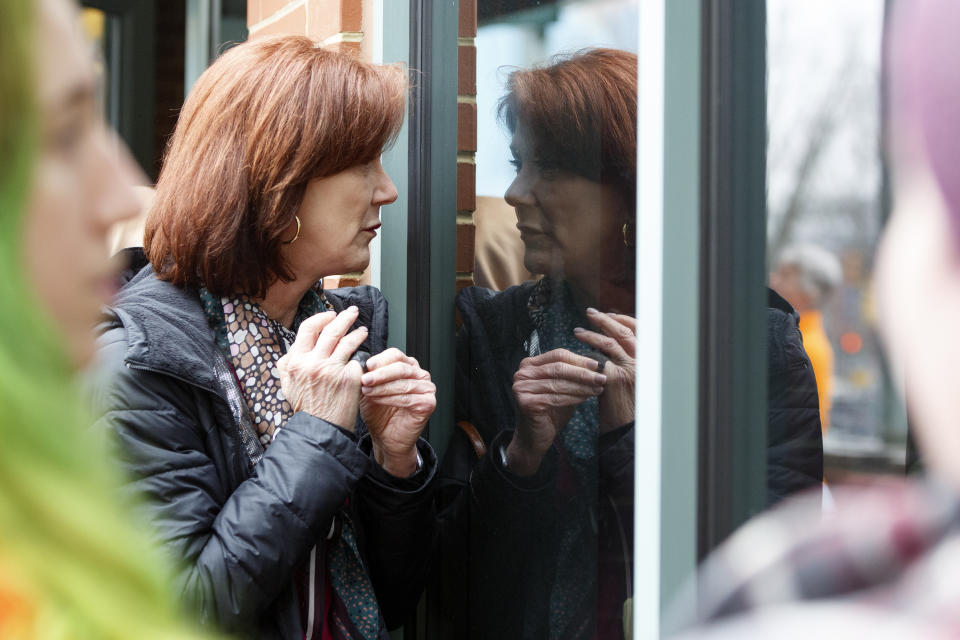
(580, 111)
(266, 118)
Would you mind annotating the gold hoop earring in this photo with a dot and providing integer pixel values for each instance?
(627, 234)
(298, 232)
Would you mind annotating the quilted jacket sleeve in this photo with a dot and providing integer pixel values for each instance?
(238, 544)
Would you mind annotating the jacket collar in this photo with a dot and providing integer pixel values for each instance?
(167, 330)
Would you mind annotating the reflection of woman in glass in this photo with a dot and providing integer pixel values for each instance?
(289, 483)
(546, 372)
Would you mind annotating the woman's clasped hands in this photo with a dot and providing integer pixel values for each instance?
(395, 397)
(548, 388)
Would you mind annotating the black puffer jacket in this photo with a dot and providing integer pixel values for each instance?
(240, 520)
(500, 533)
(794, 436)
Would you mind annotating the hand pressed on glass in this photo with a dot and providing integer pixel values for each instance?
(548, 389)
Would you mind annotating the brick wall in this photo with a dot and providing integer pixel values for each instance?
(466, 140)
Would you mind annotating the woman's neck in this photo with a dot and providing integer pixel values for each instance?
(283, 299)
(604, 295)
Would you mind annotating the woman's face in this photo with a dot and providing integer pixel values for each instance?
(339, 216)
(81, 185)
(571, 226)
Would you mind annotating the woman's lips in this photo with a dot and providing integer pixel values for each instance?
(372, 230)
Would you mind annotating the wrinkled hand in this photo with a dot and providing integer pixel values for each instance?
(317, 375)
(397, 400)
(616, 338)
(548, 389)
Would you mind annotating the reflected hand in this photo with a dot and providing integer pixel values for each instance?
(316, 374)
(397, 400)
(548, 389)
(616, 339)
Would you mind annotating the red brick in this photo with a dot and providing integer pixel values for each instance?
(467, 70)
(466, 186)
(466, 246)
(270, 7)
(294, 23)
(468, 19)
(466, 127)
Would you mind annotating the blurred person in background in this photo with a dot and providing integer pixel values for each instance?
(884, 566)
(275, 435)
(72, 565)
(806, 276)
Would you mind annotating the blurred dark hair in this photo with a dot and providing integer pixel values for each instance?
(580, 112)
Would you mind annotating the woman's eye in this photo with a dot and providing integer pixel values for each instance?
(516, 163)
(67, 138)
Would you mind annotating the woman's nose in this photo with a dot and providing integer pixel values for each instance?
(518, 193)
(115, 173)
(386, 191)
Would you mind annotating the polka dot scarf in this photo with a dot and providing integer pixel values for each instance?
(254, 342)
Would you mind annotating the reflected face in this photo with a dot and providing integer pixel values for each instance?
(81, 186)
(571, 226)
(917, 284)
(339, 216)
(787, 282)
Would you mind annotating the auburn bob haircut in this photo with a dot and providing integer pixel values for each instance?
(580, 113)
(266, 118)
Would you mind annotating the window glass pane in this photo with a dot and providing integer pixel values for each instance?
(826, 207)
(541, 512)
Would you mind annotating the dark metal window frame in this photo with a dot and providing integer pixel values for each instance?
(733, 380)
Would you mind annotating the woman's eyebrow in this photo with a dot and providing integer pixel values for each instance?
(78, 94)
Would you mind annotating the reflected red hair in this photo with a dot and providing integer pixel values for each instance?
(266, 118)
(580, 111)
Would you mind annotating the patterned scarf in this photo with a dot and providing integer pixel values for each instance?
(253, 343)
(574, 593)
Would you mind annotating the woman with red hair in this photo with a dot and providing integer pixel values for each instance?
(274, 435)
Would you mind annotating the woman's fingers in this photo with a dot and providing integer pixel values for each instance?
(332, 333)
(585, 373)
(628, 321)
(309, 330)
(558, 386)
(390, 355)
(349, 344)
(406, 386)
(562, 356)
(603, 343)
(400, 370)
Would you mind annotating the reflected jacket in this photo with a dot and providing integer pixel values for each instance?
(499, 534)
(240, 530)
(794, 437)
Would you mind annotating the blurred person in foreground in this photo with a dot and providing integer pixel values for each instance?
(275, 435)
(885, 565)
(806, 276)
(72, 565)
